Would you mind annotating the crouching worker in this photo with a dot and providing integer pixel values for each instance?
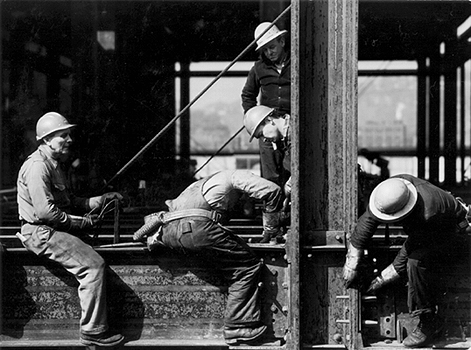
(48, 228)
(193, 224)
(435, 223)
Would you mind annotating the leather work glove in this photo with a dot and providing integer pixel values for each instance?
(388, 275)
(352, 261)
(82, 222)
(98, 201)
(287, 188)
(271, 226)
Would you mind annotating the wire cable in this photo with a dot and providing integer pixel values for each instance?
(174, 119)
(219, 150)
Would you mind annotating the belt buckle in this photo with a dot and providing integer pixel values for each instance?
(215, 216)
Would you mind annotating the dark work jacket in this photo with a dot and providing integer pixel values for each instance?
(275, 87)
(436, 217)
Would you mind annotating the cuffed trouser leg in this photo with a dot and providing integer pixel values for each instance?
(421, 294)
(271, 163)
(88, 267)
(227, 253)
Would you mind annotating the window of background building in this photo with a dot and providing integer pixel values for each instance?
(216, 117)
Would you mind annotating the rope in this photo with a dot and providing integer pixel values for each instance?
(171, 122)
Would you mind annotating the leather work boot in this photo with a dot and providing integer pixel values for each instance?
(243, 335)
(102, 339)
(427, 330)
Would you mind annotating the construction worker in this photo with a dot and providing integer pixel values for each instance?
(270, 77)
(49, 230)
(193, 224)
(434, 221)
(262, 122)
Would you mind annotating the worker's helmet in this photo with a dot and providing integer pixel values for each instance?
(50, 123)
(254, 117)
(271, 34)
(393, 199)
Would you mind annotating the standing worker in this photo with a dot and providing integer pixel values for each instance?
(435, 223)
(270, 77)
(49, 230)
(193, 224)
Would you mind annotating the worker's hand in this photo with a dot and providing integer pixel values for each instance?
(98, 201)
(112, 195)
(83, 222)
(388, 275)
(376, 284)
(349, 274)
(351, 265)
(287, 188)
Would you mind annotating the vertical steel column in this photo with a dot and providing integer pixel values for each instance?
(462, 123)
(434, 129)
(185, 118)
(324, 152)
(450, 127)
(421, 116)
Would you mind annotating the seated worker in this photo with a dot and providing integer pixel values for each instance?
(435, 223)
(193, 224)
(49, 230)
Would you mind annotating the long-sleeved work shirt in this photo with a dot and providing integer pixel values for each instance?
(274, 87)
(222, 190)
(43, 193)
(436, 216)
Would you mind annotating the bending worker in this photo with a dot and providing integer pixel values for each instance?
(193, 224)
(435, 223)
(270, 77)
(48, 228)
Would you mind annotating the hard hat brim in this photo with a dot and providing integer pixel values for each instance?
(262, 44)
(397, 216)
(65, 127)
(258, 124)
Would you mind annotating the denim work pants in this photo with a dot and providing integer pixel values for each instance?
(82, 261)
(423, 271)
(271, 162)
(230, 255)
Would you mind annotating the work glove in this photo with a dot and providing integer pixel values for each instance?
(352, 261)
(287, 188)
(98, 201)
(82, 222)
(271, 227)
(388, 275)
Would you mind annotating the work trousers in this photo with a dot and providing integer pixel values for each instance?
(83, 262)
(229, 254)
(424, 271)
(271, 162)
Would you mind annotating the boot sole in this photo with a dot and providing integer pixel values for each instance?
(92, 342)
(237, 341)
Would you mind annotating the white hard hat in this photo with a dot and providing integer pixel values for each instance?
(271, 34)
(50, 123)
(393, 199)
(254, 117)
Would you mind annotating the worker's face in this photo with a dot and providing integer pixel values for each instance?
(268, 130)
(274, 50)
(59, 142)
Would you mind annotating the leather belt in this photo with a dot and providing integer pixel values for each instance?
(185, 213)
